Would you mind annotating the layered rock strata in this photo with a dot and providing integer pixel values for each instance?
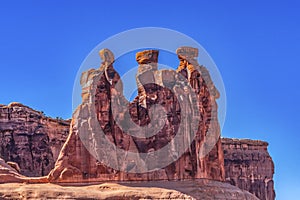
(249, 166)
(30, 139)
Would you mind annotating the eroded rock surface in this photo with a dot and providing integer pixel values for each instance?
(200, 189)
(33, 142)
(30, 139)
(105, 109)
(249, 166)
(8, 174)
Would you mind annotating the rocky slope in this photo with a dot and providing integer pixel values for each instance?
(30, 139)
(249, 166)
(200, 189)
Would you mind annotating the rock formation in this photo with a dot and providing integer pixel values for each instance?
(237, 159)
(30, 139)
(9, 174)
(249, 166)
(198, 189)
(30, 142)
(104, 109)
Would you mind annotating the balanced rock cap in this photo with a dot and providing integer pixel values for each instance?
(147, 56)
(106, 56)
(187, 52)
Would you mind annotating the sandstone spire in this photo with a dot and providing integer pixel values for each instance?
(147, 61)
(83, 156)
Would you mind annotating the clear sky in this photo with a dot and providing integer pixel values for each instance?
(255, 44)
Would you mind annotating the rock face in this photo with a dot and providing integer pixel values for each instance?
(249, 166)
(30, 142)
(198, 189)
(9, 174)
(105, 110)
(30, 139)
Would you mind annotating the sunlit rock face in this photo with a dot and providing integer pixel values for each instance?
(30, 139)
(249, 166)
(189, 189)
(31, 142)
(104, 109)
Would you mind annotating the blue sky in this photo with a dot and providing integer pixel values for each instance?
(255, 44)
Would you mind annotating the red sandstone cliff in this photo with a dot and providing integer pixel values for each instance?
(247, 162)
(35, 142)
(249, 166)
(30, 139)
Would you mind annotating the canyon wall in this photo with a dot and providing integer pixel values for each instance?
(30, 139)
(249, 166)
